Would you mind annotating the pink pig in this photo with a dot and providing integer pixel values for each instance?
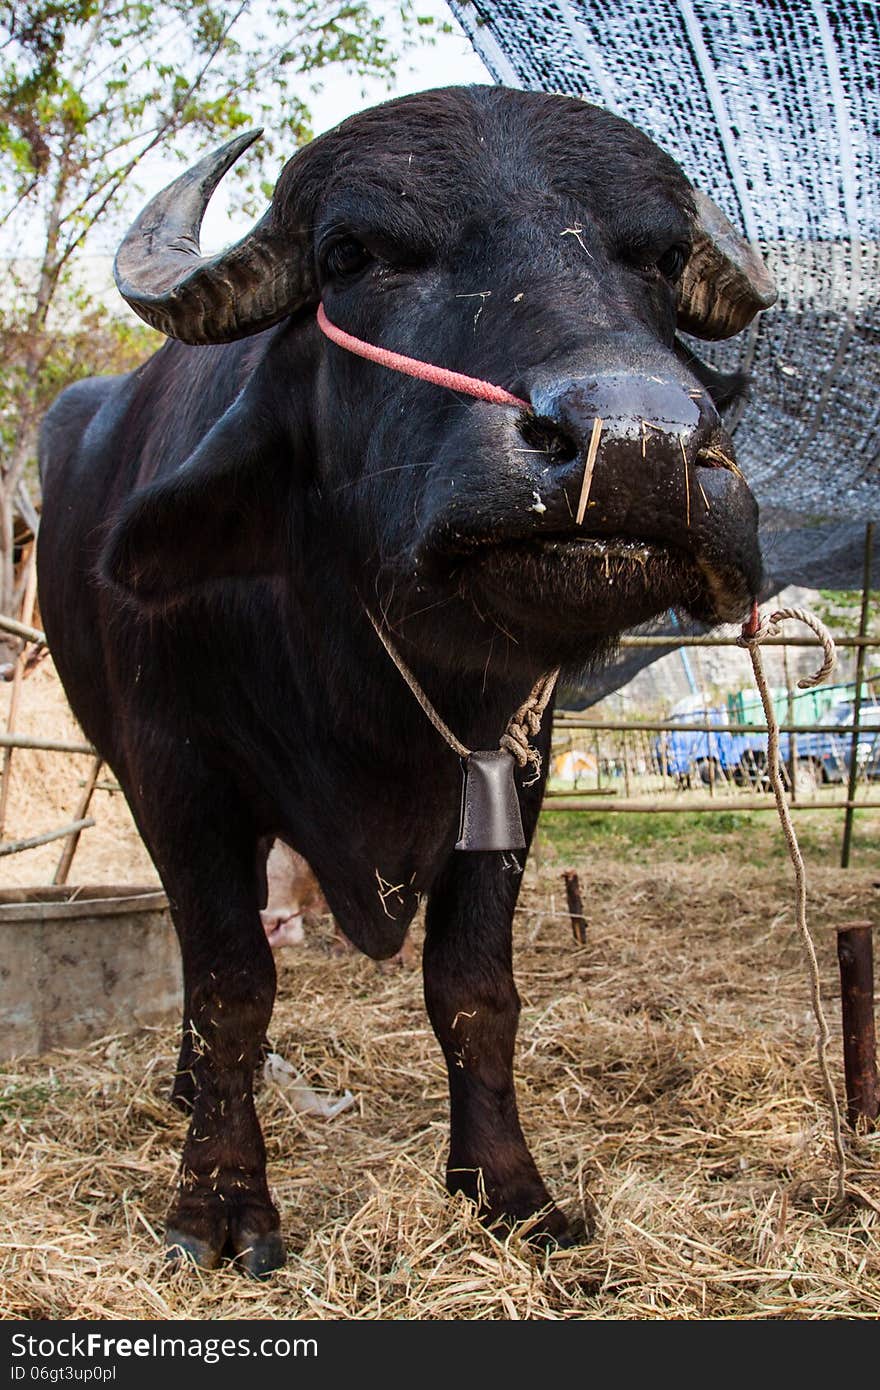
(294, 896)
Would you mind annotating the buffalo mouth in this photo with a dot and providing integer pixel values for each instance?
(600, 584)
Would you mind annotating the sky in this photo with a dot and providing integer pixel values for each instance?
(450, 61)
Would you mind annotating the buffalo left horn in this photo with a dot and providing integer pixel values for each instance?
(725, 282)
(162, 274)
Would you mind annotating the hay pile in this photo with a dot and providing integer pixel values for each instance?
(668, 1089)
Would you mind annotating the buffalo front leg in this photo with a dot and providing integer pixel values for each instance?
(474, 1009)
(222, 1206)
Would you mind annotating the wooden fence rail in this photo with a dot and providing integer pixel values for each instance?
(33, 841)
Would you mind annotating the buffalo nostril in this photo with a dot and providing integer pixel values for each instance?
(545, 436)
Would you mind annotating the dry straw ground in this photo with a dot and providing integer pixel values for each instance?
(668, 1088)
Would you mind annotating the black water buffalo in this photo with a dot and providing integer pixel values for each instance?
(223, 527)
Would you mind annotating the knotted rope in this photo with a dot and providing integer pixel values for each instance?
(526, 723)
(754, 632)
(521, 726)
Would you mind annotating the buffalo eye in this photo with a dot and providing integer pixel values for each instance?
(672, 263)
(345, 257)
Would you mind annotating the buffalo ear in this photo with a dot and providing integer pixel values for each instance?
(725, 388)
(223, 514)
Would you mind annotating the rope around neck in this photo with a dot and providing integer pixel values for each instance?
(526, 723)
(753, 634)
(521, 726)
(413, 366)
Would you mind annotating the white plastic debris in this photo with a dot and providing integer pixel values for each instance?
(281, 1074)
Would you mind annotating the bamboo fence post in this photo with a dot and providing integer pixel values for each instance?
(70, 847)
(855, 956)
(27, 612)
(792, 738)
(47, 745)
(24, 630)
(857, 698)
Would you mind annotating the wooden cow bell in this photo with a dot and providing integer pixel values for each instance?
(490, 814)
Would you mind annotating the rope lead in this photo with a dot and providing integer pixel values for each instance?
(754, 632)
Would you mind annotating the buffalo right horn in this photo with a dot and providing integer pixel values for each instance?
(161, 273)
(725, 282)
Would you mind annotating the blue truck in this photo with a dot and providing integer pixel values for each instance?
(692, 757)
(824, 756)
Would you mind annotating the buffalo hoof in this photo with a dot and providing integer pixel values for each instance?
(258, 1256)
(548, 1230)
(527, 1209)
(181, 1248)
(249, 1238)
(555, 1232)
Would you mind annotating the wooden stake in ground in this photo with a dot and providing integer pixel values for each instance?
(856, 959)
(575, 907)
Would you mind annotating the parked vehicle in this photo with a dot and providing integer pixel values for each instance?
(833, 750)
(692, 756)
(829, 752)
(822, 757)
(869, 742)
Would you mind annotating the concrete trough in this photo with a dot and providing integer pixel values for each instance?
(78, 963)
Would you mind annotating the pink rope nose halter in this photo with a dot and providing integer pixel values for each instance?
(413, 366)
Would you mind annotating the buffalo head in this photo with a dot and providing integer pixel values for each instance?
(531, 240)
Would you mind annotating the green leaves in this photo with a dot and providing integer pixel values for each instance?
(89, 87)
